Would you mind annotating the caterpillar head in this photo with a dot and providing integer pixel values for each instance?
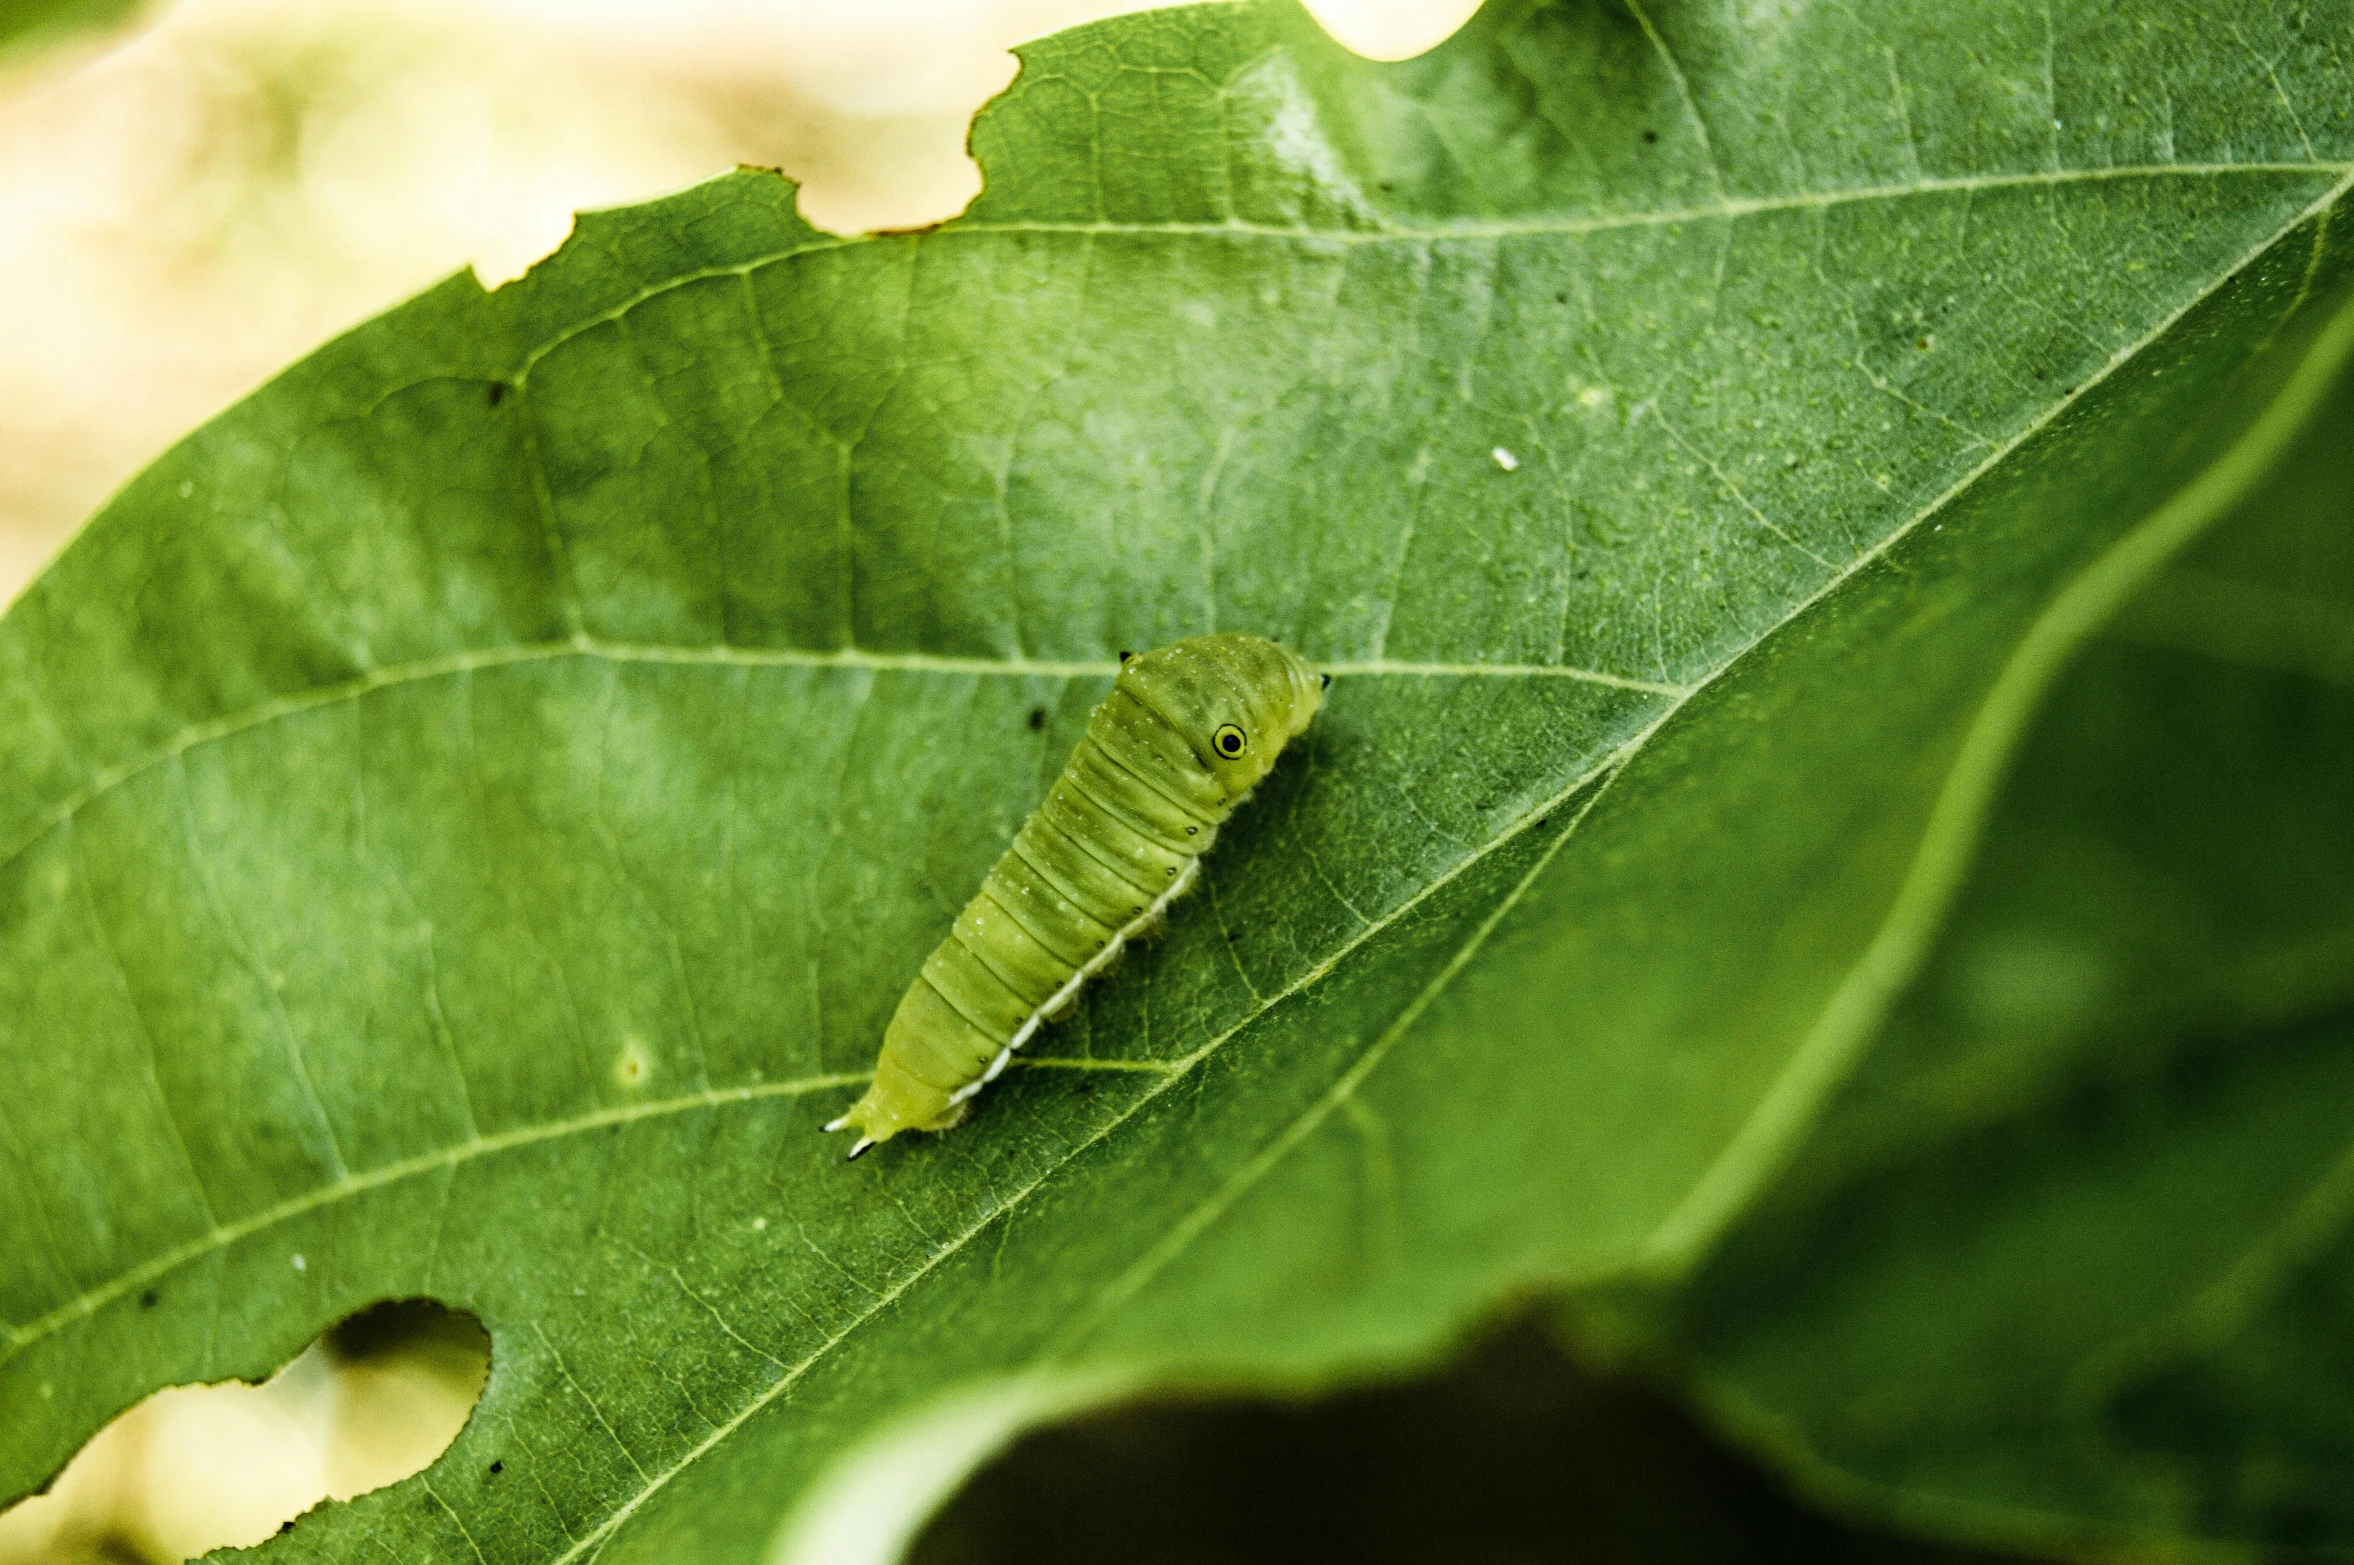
(1236, 699)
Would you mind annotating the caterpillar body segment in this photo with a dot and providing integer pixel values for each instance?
(1184, 736)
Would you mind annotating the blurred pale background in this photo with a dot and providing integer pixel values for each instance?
(190, 205)
(186, 210)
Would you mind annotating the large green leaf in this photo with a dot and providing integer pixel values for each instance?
(469, 810)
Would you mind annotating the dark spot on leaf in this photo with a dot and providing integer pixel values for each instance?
(1650, 135)
(1125, 656)
(1037, 718)
(284, 1528)
(1192, 831)
(498, 392)
(497, 1468)
(1086, 1087)
(1543, 821)
(1921, 343)
(1561, 298)
(148, 1299)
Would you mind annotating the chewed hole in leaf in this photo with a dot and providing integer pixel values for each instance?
(375, 1399)
(1392, 29)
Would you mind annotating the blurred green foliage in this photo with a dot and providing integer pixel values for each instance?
(25, 23)
(2074, 1243)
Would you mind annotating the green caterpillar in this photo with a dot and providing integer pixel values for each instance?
(1184, 736)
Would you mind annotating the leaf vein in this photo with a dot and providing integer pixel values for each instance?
(223, 1235)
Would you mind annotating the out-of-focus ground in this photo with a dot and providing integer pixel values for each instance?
(190, 205)
(1517, 1452)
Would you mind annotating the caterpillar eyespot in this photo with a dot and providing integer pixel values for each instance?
(1184, 736)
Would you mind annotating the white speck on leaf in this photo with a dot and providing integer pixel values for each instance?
(1505, 460)
(634, 1064)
